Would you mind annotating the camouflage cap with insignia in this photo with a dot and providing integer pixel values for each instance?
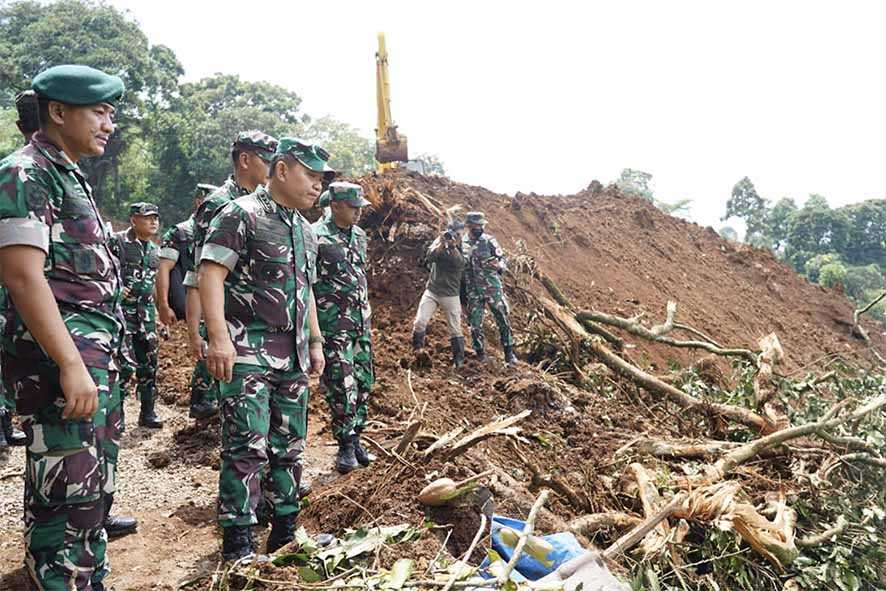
(257, 142)
(144, 208)
(476, 217)
(78, 85)
(349, 193)
(311, 155)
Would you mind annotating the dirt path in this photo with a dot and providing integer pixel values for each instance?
(175, 506)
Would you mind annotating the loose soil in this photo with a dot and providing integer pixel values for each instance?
(609, 252)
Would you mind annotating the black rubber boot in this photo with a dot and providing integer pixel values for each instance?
(363, 457)
(457, 346)
(282, 532)
(346, 461)
(147, 417)
(510, 357)
(480, 354)
(11, 435)
(304, 489)
(203, 409)
(116, 526)
(418, 340)
(236, 542)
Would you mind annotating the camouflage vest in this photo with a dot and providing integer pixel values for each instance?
(269, 284)
(341, 291)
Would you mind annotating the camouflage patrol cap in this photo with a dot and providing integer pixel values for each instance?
(456, 225)
(476, 217)
(311, 155)
(26, 105)
(77, 85)
(257, 142)
(144, 208)
(349, 193)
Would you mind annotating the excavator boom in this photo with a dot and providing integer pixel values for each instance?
(390, 145)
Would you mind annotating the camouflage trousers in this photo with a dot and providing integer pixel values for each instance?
(347, 380)
(264, 415)
(478, 300)
(70, 466)
(142, 339)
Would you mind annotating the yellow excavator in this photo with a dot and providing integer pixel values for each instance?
(390, 145)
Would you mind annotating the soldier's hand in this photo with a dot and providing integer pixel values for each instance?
(197, 347)
(318, 361)
(167, 315)
(80, 391)
(220, 359)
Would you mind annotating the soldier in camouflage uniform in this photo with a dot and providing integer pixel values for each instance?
(138, 260)
(28, 123)
(343, 311)
(485, 263)
(257, 266)
(251, 153)
(63, 329)
(9, 435)
(175, 255)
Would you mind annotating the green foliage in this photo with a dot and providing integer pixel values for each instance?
(814, 265)
(432, 164)
(170, 136)
(777, 222)
(746, 203)
(352, 154)
(815, 229)
(729, 233)
(832, 274)
(635, 182)
(10, 138)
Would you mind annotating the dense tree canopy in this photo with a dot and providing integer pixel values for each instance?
(171, 135)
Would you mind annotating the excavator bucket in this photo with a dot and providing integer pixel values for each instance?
(388, 150)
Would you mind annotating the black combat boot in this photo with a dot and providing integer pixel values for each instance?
(147, 417)
(345, 461)
(203, 408)
(480, 354)
(10, 435)
(457, 346)
(363, 457)
(237, 542)
(304, 489)
(510, 357)
(116, 526)
(282, 532)
(418, 340)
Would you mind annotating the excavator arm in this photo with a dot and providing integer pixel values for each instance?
(390, 145)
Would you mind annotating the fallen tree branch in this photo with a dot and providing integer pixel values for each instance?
(649, 382)
(588, 525)
(863, 332)
(524, 535)
(555, 483)
(443, 440)
(818, 539)
(633, 537)
(744, 453)
(678, 449)
(589, 325)
(408, 437)
(500, 427)
(657, 334)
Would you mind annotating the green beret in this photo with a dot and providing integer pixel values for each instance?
(347, 193)
(143, 208)
(77, 85)
(311, 155)
(260, 143)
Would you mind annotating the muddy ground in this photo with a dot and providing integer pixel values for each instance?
(609, 252)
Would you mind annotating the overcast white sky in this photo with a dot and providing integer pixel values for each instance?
(545, 96)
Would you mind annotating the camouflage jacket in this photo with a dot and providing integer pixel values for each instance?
(175, 245)
(485, 262)
(213, 204)
(271, 254)
(138, 264)
(341, 290)
(45, 202)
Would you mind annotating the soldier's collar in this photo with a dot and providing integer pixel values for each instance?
(240, 190)
(51, 151)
